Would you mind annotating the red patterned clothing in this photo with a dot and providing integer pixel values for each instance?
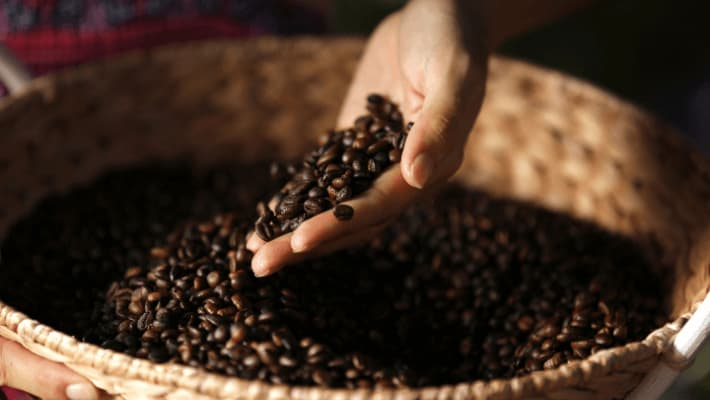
(50, 34)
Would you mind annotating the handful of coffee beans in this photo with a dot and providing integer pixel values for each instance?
(342, 167)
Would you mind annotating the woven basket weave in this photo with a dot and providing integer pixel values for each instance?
(541, 137)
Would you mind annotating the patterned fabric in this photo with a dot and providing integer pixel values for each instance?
(50, 34)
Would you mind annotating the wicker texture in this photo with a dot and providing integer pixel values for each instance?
(541, 137)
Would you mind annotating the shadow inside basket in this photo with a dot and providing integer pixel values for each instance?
(462, 287)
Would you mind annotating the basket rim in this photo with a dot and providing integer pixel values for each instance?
(17, 326)
(32, 333)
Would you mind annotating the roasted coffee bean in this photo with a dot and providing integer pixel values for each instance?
(288, 362)
(378, 147)
(373, 166)
(264, 231)
(301, 187)
(291, 206)
(214, 278)
(554, 361)
(381, 158)
(329, 155)
(313, 206)
(343, 212)
(321, 377)
(338, 183)
(359, 165)
(350, 155)
(343, 194)
(154, 296)
(375, 99)
(525, 323)
(362, 143)
(362, 123)
(603, 340)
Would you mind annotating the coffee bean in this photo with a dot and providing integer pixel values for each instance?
(525, 323)
(554, 361)
(603, 340)
(158, 354)
(375, 99)
(332, 192)
(373, 166)
(238, 332)
(214, 278)
(338, 183)
(220, 334)
(264, 231)
(301, 187)
(133, 272)
(378, 147)
(313, 206)
(154, 296)
(321, 377)
(362, 143)
(621, 332)
(359, 165)
(290, 207)
(159, 252)
(251, 361)
(332, 153)
(343, 194)
(343, 212)
(144, 321)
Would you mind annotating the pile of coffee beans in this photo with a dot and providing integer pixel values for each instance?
(342, 167)
(56, 264)
(472, 288)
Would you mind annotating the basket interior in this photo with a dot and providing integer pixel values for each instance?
(541, 137)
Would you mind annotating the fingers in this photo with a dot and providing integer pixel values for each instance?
(382, 202)
(435, 145)
(323, 233)
(23, 370)
(275, 255)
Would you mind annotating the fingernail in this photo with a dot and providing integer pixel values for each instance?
(421, 170)
(81, 391)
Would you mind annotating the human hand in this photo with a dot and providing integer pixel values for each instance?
(21, 369)
(431, 59)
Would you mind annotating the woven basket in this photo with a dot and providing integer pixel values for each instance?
(541, 137)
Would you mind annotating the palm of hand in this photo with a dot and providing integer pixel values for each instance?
(422, 59)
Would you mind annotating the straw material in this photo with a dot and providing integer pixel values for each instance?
(541, 137)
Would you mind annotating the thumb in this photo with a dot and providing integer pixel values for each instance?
(435, 145)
